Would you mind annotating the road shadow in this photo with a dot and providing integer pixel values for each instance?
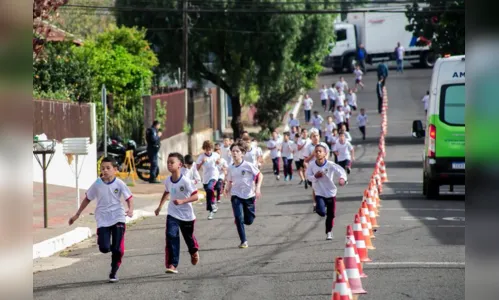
(392, 141)
(408, 164)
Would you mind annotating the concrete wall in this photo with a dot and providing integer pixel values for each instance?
(60, 172)
(179, 143)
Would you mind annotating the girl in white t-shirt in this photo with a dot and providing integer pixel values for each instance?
(324, 97)
(358, 77)
(241, 178)
(208, 160)
(180, 217)
(274, 145)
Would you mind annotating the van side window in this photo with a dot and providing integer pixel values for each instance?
(341, 35)
(452, 104)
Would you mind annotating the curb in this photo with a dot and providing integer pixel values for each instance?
(56, 244)
(294, 112)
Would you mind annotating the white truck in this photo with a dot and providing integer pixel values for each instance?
(379, 32)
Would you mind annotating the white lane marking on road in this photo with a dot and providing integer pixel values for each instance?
(454, 219)
(424, 209)
(416, 263)
(413, 218)
(429, 225)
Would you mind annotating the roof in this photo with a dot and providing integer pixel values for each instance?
(56, 34)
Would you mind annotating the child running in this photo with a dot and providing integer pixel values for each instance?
(208, 160)
(226, 149)
(310, 156)
(222, 171)
(321, 173)
(317, 121)
(287, 157)
(243, 190)
(339, 116)
(180, 216)
(358, 77)
(110, 214)
(190, 171)
(362, 122)
(348, 113)
(251, 155)
(302, 144)
(324, 97)
(274, 145)
(345, 152)
(352, 99)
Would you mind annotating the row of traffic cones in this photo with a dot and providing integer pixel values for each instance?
(347, 284)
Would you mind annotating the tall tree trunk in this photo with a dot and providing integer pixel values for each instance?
(237, 126)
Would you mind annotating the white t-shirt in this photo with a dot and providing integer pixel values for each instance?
(317, 121)
(400, 52)
(276, 145)
(302, 142)
(333, 139)
(192, 174)
(324, 186)
(347, 110)
(223, 164)
(324, 94)
(340, 101)
(339, 116)
(109, 210)
(352, 99)
(294, 122)
(226, 154)
(425, 100)
(358, 74)
(311, 149)
(343, 150)
(287, 149)
(252, 156)
(342, 84)
(362, 120)
(308, 103)
(179, 190)
(243, 177)
(329, 129)
(210, 170)
(332, 93)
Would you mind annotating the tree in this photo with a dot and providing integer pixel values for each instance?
(439, 21)
(86, 22)
(225, 48)
(301, 69)
(43, 12)
(121, 59)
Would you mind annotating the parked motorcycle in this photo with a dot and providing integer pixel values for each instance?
(117, 150)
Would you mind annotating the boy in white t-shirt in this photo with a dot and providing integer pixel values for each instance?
(362, 122)
(180, 216)
(293, 122)
(241, 178)
(345, 152)
(317, 121)
(321, 173)
(348, 113)
(307, 107)
(110, 214)
(339, 116)
(352, 99)
(190, 170)
(342, 84)
(324, 97)
(222, 171)
(330, 126)
(332, 94)
(208, 160)
(287, 156)
(226, 149)
(358, 77)
(310, 157)
(274, 145)
(251, 155)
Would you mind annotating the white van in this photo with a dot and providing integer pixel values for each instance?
(444, 154)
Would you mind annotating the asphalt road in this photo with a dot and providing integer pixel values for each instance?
(420, 244)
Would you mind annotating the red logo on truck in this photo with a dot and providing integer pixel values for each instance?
(376, 21)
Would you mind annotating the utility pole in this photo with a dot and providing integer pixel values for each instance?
(190, 104)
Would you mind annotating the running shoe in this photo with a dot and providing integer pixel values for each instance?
(329, 236)
(210, 215)
(244, 245)
(195, 258)
(171, 269)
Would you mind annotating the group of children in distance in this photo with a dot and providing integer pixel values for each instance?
(233, 169)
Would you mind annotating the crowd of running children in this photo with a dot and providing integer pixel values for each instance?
(233, 168)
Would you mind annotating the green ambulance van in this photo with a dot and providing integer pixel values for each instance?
(444, 158)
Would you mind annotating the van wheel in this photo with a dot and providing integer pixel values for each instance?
(349, 64)
(427, 59)
(431, 188)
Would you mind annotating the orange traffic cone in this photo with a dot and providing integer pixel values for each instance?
(372, 214)
(352, 269)
(372, 200)
(365, 211)
(360, 240)
(365, 231)
(376, 197)
(382, 169)
(341, 286)
(357, 259)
